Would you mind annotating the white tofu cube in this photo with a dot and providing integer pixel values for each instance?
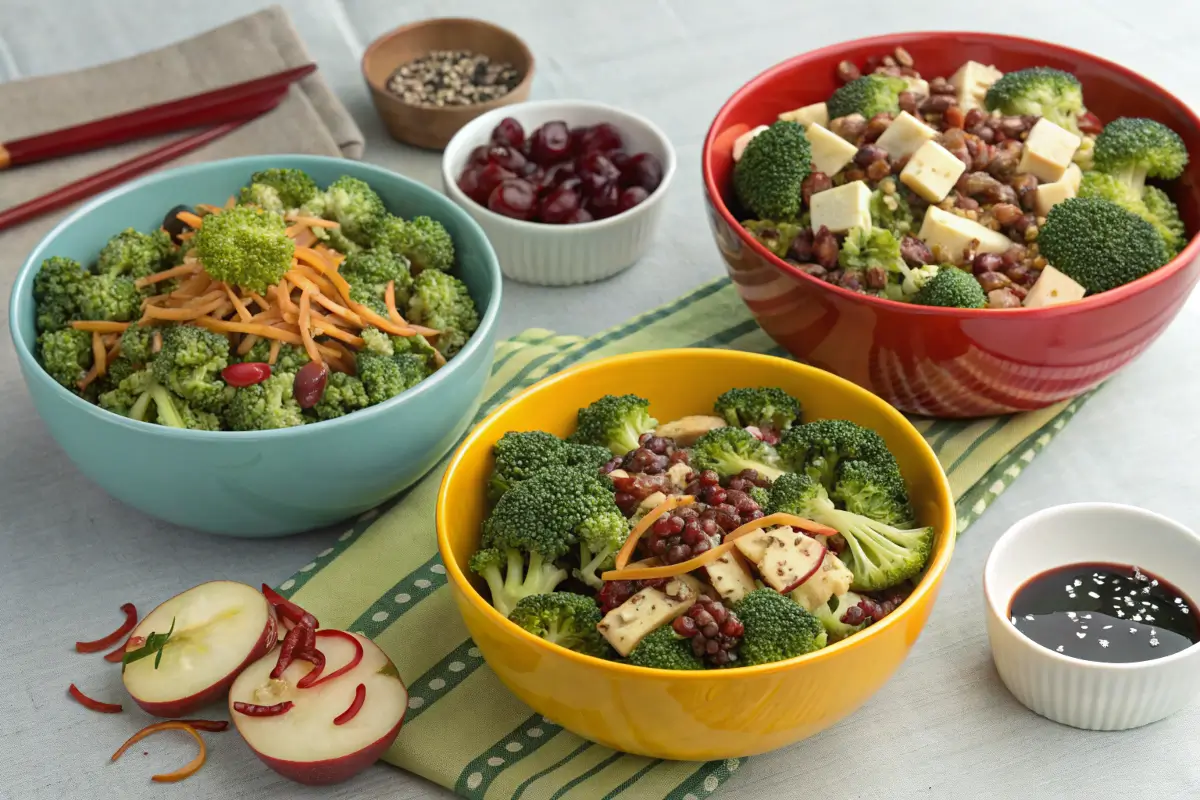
(1048, 151)
(830, 152)
(816, 114)
(1051, 194)
(739, 144)
(842, 208)
(971, 81)
(932, 172)
(955, 234)
(1053, 288)
(905, 136)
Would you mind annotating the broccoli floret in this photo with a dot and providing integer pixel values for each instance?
(279, 190)
(760, 496)
(913, 280)
(66, 355)
(140, 396)
(137, 344)
(56, 290)
(343, 394)
(519, 455)
(563, 618)
(372, 270)
(190, 365)
(890, 210)
(1134, 148)
(265, 406)
(334, 239)
(442, 302)
(289, 359)
(615, 422)
(728, 451)
(951, 287)
(419, 346)
(775, 236)
(879, 555)
(662, 648)
(817, 448)
(832, 612)
(378, 342)
(868, 95)
(1039, 91)
(1164, 216)
(385, 377)
(368, 297)
(109, 297)
(118, 370)
(767, 179)
(874, 490)
(587, 456)
(135, 254)
(777, 628)
(865, 248)
(768, 408)
(422, 241)
(245, 247)
(1100, 245)
(353, 204)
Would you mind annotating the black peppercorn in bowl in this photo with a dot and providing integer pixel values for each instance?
(430, 78)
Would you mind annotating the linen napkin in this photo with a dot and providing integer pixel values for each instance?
(464, 730)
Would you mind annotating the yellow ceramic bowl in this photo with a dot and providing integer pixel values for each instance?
(707, 714)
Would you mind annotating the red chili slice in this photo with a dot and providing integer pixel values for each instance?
(294, 613)
(355, 660)
(317, 659)
(360, 696)
(253, 710)
(131, 618)
(246, 374)
(116, 655)
(94, 705)
(287, 650)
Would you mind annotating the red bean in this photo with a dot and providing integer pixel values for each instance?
(246, 374)
(309, 385)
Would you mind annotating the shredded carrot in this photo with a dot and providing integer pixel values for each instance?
(267, 317)
(670, 570)
(258, 299)
(156, 342)
(316, 277)
(156, 300)
(189, 219)
(247, 344)
(193, 286)
(239, 306)
(780, 519)
(304, 237)
(389, 299)
(333, 331)
(207, 208)
(183, 314)
(283, 296)
(643, 525)
(421, 329)
(167, 274)
(231, 202)
(265, 331)
(99, 353)
(383, 324)
(206, 298)
(305, 323)
(312, 222)
(317, 261)
(179, 774)
(341, 311)
(273, 356)
(99, 326)
(439, 360)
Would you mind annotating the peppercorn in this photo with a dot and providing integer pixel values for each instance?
(452, 78)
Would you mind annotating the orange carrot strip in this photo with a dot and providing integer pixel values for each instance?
(283, 295)
(265, 331)
(383, 324)
(189, 219)
(214, 293)
(338, 310)
(421, 329)
(316, 277)
(305, 323)
(239, 306)
(333, 331)
(98, 354)
(317, 261)
(167, 274)
(780, 519)
(671, 570)
(643, 525)
(247, 344)
(231, 202)
(100, 326)
(304, 237)
(389, 299)
(210, 209)
(273, 356)
(312, 222)
(439, 360)
(184, 314)
(171, 725)
(258, 298)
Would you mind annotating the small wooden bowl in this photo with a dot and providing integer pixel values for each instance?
(432, 127)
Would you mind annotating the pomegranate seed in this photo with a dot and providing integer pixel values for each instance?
(246, 374)
(550, 143)
(509, 132)
(309, 385)
(631, 197)
(492, 176)
(479, 155)
(507, 157)
(513, 198)
(642, 170)
(470, 185)
(602, 138)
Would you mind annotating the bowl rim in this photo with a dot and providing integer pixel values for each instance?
(457, 143)
(33, 369)
(411, 27)
(1097, 301)
(1004, 548)
(935, 569)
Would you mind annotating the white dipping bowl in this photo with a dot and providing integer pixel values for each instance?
(1086, 694)
(564, 255)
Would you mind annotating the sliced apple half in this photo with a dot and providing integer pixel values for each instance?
(790, 559)
(218, 629)
(304, 743)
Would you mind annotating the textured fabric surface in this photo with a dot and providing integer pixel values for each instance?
(386, 580)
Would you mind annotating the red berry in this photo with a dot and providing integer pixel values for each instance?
(605, 201)
(479, 155)
(595, 170)
(490, 177)
(469, 183)
(602, 138)
(550, 143)
(246, 374)
(631, 197)
(509, 132)
(507, 157)
(558, 205)
(644, 170)
(514, 198)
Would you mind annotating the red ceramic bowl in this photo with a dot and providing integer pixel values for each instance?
(939, 361)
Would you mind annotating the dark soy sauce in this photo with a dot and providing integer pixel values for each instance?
(1105, 612)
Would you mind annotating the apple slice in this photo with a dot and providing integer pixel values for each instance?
(789, 559)
(219, 628)
(304, 743)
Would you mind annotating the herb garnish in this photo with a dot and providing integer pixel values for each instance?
(155, 642)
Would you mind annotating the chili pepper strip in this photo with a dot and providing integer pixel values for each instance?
(131, 618)
(340, 671)
(253, 710)
(94, 705)
(360, 696)
(294, 613)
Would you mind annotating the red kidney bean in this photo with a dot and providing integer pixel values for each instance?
(1006, 213)
(847, 71)
(1003, 298)
(1090, 123)
(973, 118)
(825, 248)
(878, 170)
(869, 154)
(849, 127)
(814, 183)
(246, 374)
(940, 85)
(990, 281)
(309, 385)
(876, 126)
(986, 263)
(908, 102)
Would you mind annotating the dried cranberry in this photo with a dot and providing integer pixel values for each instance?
(644, 170)
(513, 198)
(509, 132)
(633, 196)
(490, 177)
(595, 169)
(508, 157)
(470, 185)
(479, 155)
(550, 143)
(614, 593)
(602, 138)
(605, 201)
(558, 205)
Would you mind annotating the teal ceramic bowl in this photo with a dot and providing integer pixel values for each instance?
(262, 483)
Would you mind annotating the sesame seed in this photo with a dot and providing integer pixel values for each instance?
(1083, 627)
(1093, 595)
(1087, 616)
(1071, 614)
(1154, 583)
(1137, 617)
(1106, 627)
(1014, 620)
(1149, 618)
(1153, 632)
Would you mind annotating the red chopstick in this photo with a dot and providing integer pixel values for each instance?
(211, 107)
(135, 166)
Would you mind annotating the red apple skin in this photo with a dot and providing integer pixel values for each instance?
(188, 705)
(811, 572)
(333, 770)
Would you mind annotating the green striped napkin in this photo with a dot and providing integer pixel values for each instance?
(464, 730)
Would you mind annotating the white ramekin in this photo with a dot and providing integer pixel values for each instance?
(564, 255)
(1085, 694)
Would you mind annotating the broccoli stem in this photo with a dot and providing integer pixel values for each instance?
(165, 407)
(540, 577)
(140, 407)
(591, 564)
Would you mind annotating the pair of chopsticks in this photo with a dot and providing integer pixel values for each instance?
(225, 109)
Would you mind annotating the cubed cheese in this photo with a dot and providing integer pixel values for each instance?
(932, 172)
(739, 144)
(649, 609)
(830, 152)
(816, 114)
(905, 136)
(731, 577)
(1048, 151)
(1050, 194)
(1052, 288)
(971, 82)
(833, 578)
(842, 208)
(918, 86)
(754, 545)
(790, 560)
(686, 430)
(955, 234)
